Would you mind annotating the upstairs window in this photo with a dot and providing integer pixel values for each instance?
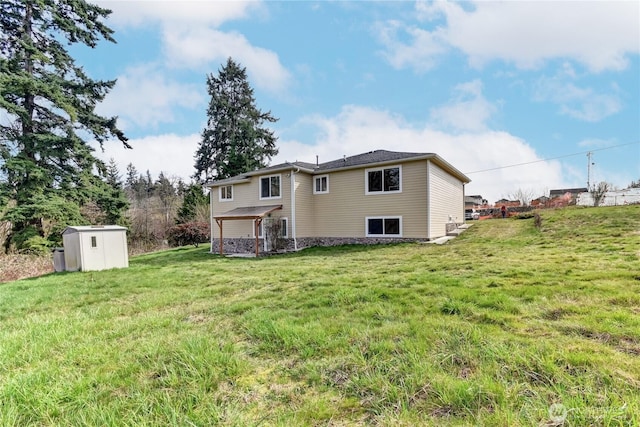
(226, 193)
(383, 180)
(270, 187)
(321, 184)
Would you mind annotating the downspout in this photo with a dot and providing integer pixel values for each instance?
(428, 200)
(293, 208)
(211, 220)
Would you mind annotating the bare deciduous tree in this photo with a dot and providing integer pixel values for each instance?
(525, 196)
(598, 192)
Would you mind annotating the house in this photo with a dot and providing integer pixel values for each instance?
(374, 197)
(95, 247)
(508, 203)
(474, 201)
(627, 196)
(540, 202)
(566, 193)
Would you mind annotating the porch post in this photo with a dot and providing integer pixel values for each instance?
(258, 221)
(219, 222)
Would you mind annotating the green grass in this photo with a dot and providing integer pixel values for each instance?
(507, 325)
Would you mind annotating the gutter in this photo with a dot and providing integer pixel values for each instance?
(211, 219)
(293, 208)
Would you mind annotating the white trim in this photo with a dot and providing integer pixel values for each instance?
(366, 225)
(366, 180)
(260, 187)
(220, 199)
(319, 177)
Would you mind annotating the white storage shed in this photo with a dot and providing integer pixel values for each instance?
(95, 247)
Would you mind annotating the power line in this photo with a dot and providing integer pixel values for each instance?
(552, 158)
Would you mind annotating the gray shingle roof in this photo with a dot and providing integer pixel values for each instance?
(377, 156)
(370, 158)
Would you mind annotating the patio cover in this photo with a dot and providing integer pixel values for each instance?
(256, 213)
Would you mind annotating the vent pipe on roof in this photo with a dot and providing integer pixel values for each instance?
(317, 161)
(344, 157)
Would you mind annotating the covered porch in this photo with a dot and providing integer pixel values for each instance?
(255, 213)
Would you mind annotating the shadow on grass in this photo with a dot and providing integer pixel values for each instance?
(203, 254)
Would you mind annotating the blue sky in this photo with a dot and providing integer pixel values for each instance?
(483, 84)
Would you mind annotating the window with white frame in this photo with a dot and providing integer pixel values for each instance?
(383, 180)
(384, 226)
(226, 193)
(283, 231)
(321, 184)
(270, 187)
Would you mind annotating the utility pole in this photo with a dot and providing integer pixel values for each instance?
(589, 164)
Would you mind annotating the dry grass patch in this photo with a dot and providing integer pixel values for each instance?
(16, 267)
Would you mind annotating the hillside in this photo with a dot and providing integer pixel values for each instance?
(507, 324)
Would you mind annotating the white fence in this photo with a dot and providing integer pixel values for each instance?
(612, 198)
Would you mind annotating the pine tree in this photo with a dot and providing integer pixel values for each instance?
(235, 139)
(113, 177)
(193, 199)
(48, 105)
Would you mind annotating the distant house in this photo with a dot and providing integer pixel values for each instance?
(507, 203)
(628, 196)
(374, 197)
(540, 202)
(573, 192)
(474, 201)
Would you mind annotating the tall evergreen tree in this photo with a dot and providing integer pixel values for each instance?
(113, 177)
(193, 199)
(235, 139)
(48, 104)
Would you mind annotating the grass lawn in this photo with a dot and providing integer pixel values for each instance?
(506, 325)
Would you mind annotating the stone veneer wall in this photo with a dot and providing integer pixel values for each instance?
(243, 245)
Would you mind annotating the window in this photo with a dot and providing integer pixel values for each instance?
(226, 193)
(383, 180)
(94, 242)
(270, 187)
(321, 184)
(283, 232)
(384, 226)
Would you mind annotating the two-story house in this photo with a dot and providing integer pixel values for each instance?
(375, 197)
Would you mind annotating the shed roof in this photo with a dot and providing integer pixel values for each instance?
(248, 212)
(92, 228)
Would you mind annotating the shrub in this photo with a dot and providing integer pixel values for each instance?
(537, 221)
(190, 233)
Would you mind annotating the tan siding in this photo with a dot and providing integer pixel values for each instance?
(446, 198)
(305, 217)
(342, 212)
(248, 194)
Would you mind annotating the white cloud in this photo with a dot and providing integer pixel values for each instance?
(192, 12)
(599, 35)
(171, 154)
(467, 111)
(199, 46)
(359, 129)
(144, 97)
(421, 53)
(584, 104)
(191, 38)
